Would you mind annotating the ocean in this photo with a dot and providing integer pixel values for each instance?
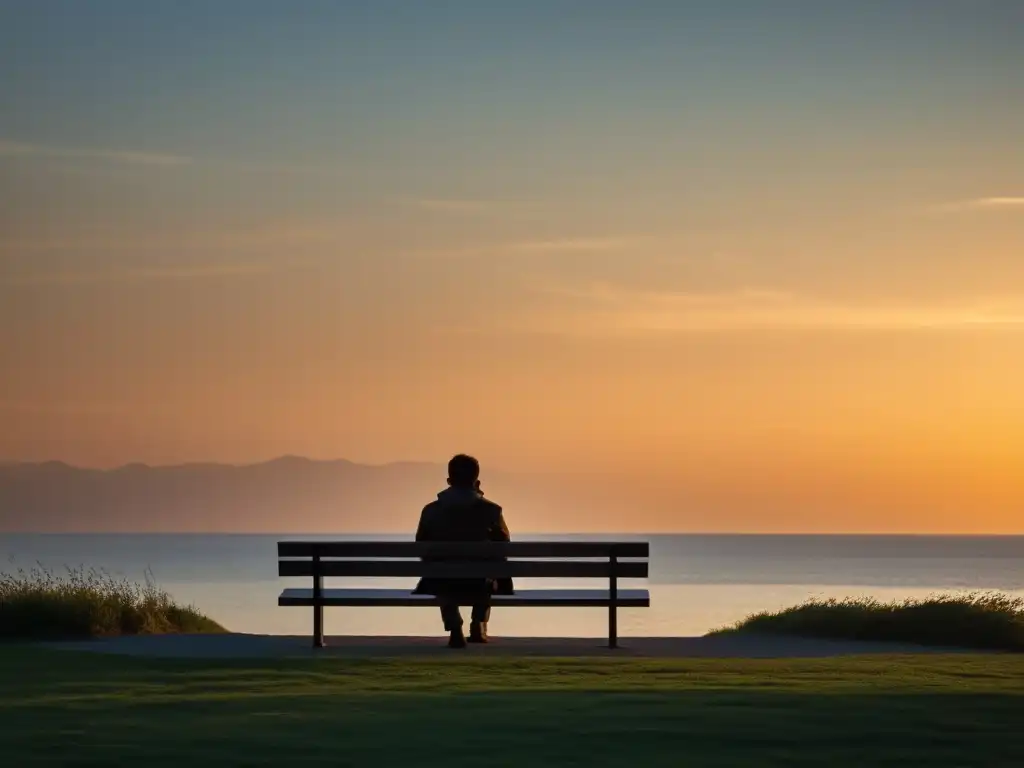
(697, 582)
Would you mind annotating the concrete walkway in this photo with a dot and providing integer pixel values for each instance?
(233, 646)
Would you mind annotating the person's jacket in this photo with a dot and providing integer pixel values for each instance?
(462, 514)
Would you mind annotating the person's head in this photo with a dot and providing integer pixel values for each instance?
(463, 471)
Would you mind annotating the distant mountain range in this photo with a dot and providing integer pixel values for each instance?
(288, 494)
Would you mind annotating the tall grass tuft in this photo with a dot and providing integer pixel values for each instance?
(983, 620)
(37, 604)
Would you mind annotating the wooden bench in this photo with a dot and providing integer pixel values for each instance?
(519, 559)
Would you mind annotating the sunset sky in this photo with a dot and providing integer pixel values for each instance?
(766, 252)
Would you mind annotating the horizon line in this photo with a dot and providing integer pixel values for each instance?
(202, 463)
(760, 534)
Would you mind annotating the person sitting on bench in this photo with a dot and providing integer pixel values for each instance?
(461, 513)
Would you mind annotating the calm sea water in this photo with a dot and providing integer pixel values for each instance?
(697, 583)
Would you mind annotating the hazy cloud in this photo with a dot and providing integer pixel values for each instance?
(606, 309)
(133, 157)
(462, 207)
(476, 208)
(982, 204)
(273, 235)
(64, 407)
(144, 274)
(601, 243)
(997, 202)
(10, 148)
(325, 170)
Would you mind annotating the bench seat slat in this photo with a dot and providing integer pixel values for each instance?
(597, 598)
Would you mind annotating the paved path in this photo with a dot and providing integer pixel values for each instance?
(281, 646)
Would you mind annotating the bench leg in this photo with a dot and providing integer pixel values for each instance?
(318, 626)
(613, 606)
(318, 608)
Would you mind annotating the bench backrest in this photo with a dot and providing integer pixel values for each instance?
(528, 559)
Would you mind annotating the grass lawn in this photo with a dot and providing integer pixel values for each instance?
(71, 709)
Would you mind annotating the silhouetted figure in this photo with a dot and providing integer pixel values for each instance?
(461, 513)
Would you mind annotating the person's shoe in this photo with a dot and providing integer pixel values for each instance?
(456, 639)
(478, 633)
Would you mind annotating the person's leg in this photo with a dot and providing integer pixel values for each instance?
(452, 618)
(481, 613)
(478, 626)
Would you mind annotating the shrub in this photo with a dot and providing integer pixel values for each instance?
(40, 605)
(985, 620)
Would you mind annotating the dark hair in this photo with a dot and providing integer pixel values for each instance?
(463, 470)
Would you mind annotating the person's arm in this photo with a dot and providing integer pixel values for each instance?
(423, 529)
(499, 531)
